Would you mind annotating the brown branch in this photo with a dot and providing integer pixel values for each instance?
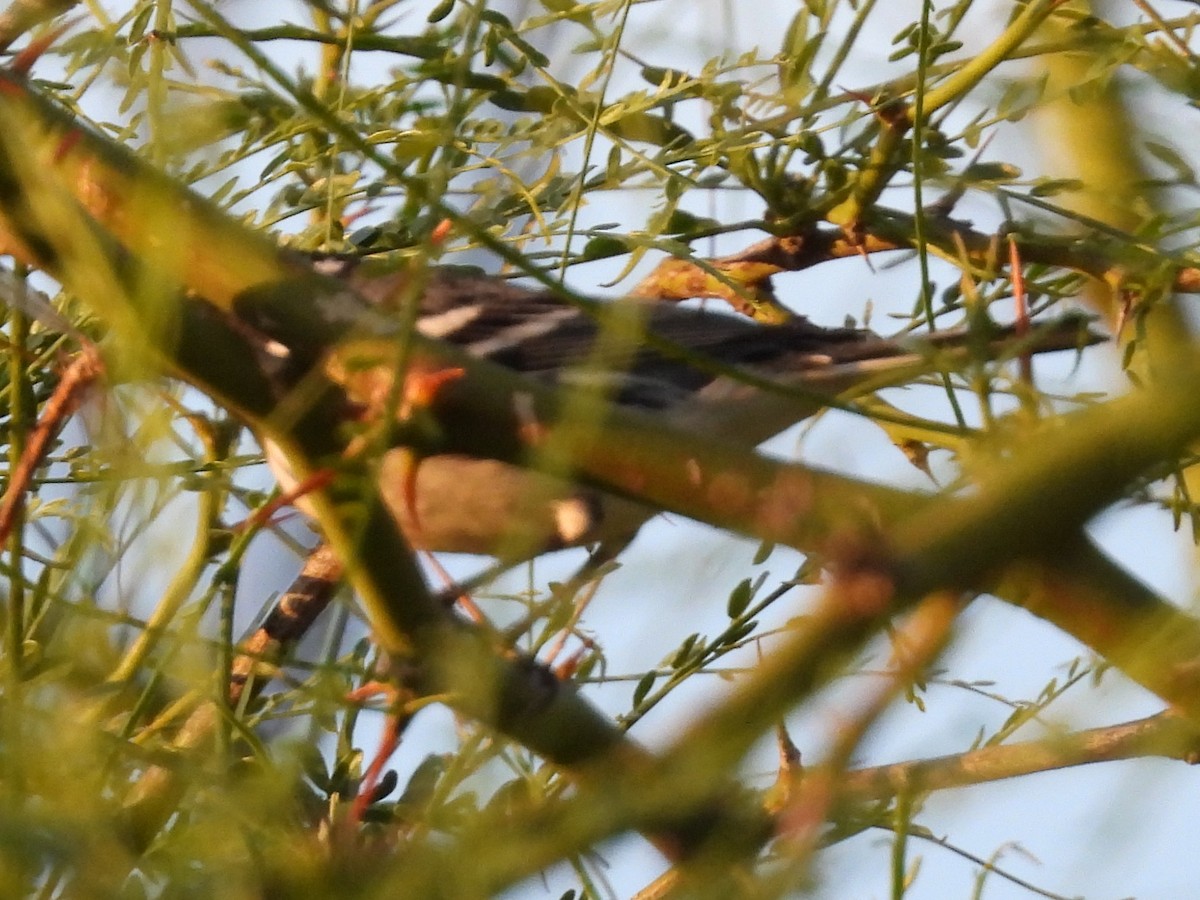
(1164, 735)
(68, 394)
(915, 644)
(883, 231)
(289, 620)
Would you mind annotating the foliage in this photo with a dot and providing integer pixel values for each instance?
(458, 132)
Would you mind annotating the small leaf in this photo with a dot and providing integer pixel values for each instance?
(637, 125)
(991, 171)
(532, 53)
(660, 77)
(496, 18)
(612, 170)
(684, 653)
(765, 549)
(278, 160)
(643, 688)
(814, 149)
(794, 51)
(603, 247)
(740, 598)
(424, 779)
(944, 47)
(683, 222)
(1170, 157)
(513, 101)
(440, 11)
(220, 193)
(1048, 187)
(737, 634)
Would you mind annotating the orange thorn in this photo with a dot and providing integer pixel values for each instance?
(1022, 302)
(569, 666)
(314, 482)
(440, 232)
(410, 497)
(63, 403)
(350, 218)
(414, 537)
(388, 743)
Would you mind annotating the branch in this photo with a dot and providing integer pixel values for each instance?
(1163, 735)
(884, 230)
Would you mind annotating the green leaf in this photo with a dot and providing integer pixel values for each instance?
(612, 168)
(684, 654)
(944, 47)
(683, 222)
(603, 247)
(991, 171)
(797, 53)
(440, 11)
(660, 77)
(277, 161)
(1171, 158)
(739, 633)
(140, 22)
(1048, 187)
(496, 18)
(645, 683)
(650, 129)
(740, 598)
(220, 193)
(535, 56)
(514, 101)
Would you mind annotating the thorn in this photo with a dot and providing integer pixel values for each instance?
(68, 395)
(23, 61)
(351, 217)
(783, 792)
(566, 669)
(397, 719)
(314, 482)
(866, 257)
(1021, 299)
(917, 453)
(1124, 312)
(789, 753)
(440, 232)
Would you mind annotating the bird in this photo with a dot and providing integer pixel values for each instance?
(455, 503)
